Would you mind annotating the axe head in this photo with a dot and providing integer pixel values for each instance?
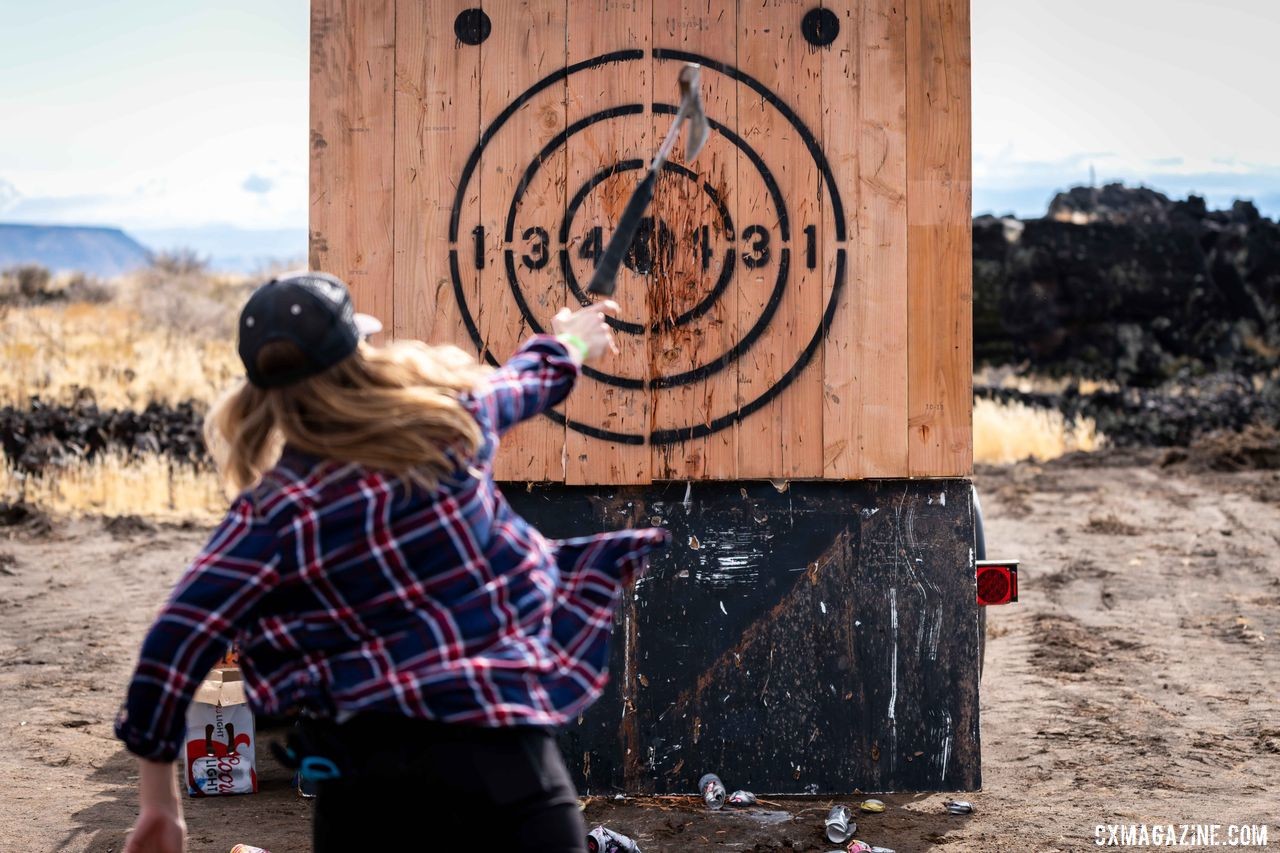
(691, 105)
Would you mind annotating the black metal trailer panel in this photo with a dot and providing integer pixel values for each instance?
(819, 637)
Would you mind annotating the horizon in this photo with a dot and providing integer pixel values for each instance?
(221, 93)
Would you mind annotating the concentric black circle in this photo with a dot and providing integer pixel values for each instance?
(726, 228)
(664, 436)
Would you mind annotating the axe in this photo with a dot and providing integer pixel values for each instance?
(604, 280)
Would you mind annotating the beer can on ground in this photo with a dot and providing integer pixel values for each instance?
(712, 790)
(602, 840)
(840, 825)
(742, 798)
(248, 848)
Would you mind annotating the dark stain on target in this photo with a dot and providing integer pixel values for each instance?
(758, 328)
(726, 230)
(757, 248)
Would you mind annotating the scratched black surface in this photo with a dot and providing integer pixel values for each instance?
(762, 645)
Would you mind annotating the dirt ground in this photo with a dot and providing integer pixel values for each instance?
(1138, 680)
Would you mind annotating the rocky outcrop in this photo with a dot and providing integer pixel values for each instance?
(41, 435)
(1127, 284)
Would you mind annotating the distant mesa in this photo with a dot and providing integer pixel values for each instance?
(102, 252)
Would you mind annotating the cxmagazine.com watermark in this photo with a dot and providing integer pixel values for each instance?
(1180, 835)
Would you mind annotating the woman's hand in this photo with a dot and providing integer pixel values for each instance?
(584, 331)
(157, 831)
(160, 827)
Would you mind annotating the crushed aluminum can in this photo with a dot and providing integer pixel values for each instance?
(602, 840)
(857, 846)
(872, 806)
(248, 848)
(883, 850)
(839, 824)
(712, 790)
(959, 806)
(742, 798)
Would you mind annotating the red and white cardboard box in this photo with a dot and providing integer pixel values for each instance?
(220, 748)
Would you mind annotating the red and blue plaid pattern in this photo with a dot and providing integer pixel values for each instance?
(347, 590)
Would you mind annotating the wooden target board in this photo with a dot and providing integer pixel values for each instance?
(797, 304)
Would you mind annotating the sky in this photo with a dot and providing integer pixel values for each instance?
(182, 118)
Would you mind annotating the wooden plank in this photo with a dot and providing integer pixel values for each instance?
(844, 368)
(784, 438)
(866, 435)
(527, 43)
(437, 125)
(939, 234)
(708, 28)
(352, 201)
(596, 28)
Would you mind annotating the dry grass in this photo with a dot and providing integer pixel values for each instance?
(123, 357)
(1011, 432)
(113, 484)
(167, 336)
(1006, 376)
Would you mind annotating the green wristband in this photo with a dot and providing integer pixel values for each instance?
(572, 341)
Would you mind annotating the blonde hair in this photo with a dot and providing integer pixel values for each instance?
(392, 408)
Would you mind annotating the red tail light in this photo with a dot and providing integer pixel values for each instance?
(997, 582)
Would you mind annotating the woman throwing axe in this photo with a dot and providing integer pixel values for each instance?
(373, 576)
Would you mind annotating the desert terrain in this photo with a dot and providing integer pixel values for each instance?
(1135, 681)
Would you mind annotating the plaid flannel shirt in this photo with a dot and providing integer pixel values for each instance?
(348, 591)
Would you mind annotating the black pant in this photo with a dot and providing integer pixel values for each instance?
(417, 786)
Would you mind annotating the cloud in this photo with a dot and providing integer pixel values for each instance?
(256, 183)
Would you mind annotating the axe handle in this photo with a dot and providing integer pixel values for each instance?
(604, 280)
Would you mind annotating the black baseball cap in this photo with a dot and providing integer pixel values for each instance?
(311, 310)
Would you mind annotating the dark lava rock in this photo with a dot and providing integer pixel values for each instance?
(1175, 414)
(127, 526)
(44, 434)
(25, 517)
(1125, 283)
(1254, 448)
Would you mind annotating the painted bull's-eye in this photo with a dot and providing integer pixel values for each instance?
(688, 255)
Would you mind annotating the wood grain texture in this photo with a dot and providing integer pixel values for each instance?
(708, 28)
(437, 125)
(845, 366)
(879, 300)
(399, 104)
(939, 234)
(596, 28)
(784, 438)
(352, 201)
(527, 43)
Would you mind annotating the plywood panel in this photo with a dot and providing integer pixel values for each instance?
(352, 150)
(437, 125)
(940, 284)
(521, 198)
(703, 251)
(601, 187)
(784, 437)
